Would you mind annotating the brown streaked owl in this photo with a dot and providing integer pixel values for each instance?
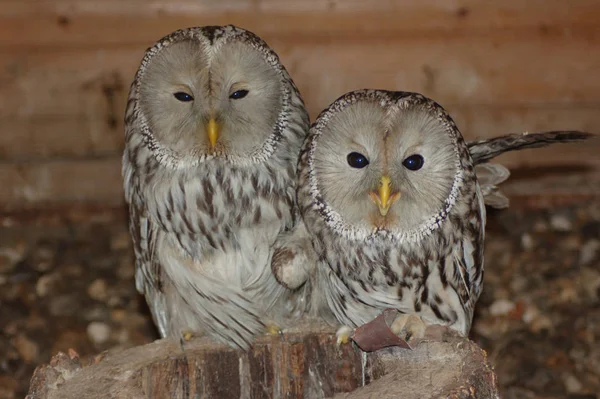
(214, 125)
(390, 199)
(368, 258)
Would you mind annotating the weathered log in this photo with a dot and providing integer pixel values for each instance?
(293, 365)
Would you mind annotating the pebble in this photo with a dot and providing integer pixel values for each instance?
(97, 290)
(501, 307)
(527, 241)
(44, 258)
(45, 283)
(64, 305)
(588, 281)
(541, 323)
(126, 269)
(588, 252)
(560, 223)
(9, 257)
(120, 241)
(98, 332)
(27, 349)
(572, 384)
(530, 313)
(518, 283)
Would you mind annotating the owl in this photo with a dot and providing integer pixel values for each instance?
(214, 125)
(394, 213)
(390, 200)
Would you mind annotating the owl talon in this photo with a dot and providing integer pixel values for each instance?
(408, 327)
(274, 329)
(343, 335)
(187, 335)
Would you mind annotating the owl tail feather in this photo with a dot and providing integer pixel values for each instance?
(484, 150)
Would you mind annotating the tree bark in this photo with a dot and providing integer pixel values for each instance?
(294, 365)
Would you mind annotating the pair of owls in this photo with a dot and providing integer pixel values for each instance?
(232, 234)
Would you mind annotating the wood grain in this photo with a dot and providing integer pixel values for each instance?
(297, 365)
(497, 67)
(87, 22)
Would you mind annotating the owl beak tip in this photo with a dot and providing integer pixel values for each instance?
(384, 198)
(213, 130)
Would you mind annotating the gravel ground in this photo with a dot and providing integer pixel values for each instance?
(66, 281)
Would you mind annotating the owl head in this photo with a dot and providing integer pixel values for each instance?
(384, 163)
(211, 92)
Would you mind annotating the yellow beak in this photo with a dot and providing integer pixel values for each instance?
(213, 129)
(384, 198)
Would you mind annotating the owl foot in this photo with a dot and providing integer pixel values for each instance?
(273, 329)
(343, 335)
(408, 327)
(185, 336)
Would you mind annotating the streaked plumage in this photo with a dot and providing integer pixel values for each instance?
(416, 246)
(436, 272)
(214, 125)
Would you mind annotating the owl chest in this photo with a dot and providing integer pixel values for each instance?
(207, 212)
(368, 279)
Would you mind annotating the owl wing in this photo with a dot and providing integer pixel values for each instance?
(484, 150)
(468, 258)
(144, 234)
(148, 273)
(489, 175)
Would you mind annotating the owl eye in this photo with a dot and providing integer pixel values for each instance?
(414, 162)
(236, 95)
(183, 97)
(357, 160)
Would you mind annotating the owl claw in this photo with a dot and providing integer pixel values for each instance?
(408, 327)
(343, 335)
(274, 329)
(187, 335)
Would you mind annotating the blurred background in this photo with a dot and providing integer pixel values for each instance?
(66, 267)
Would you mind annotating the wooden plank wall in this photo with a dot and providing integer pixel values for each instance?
(498, 67)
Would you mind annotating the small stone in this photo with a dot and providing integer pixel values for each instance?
(561, 223)
(501, 307)
(518, 283)
(572, 384)
(530, 314)
(9, 257)
(98, 332)
(118, 315)
(541, 323)
(527, 241)
(126, 269)
(120, 241)
(97, 290)
(43, 258)
(28, 350)
(45, 283)
(63, 305)
(588, 252)
(588, 281)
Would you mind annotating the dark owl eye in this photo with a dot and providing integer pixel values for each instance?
(357, 160)
(236, 95)
(414, 162)
(183, 97)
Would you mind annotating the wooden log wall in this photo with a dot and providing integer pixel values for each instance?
(498, 67)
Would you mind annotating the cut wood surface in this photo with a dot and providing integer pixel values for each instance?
(497, 67)
(296, 365)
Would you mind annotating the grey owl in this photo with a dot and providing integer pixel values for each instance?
(425, 257)
(390, 199)
(214, 125)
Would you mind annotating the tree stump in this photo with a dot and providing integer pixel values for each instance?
(293, 365)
